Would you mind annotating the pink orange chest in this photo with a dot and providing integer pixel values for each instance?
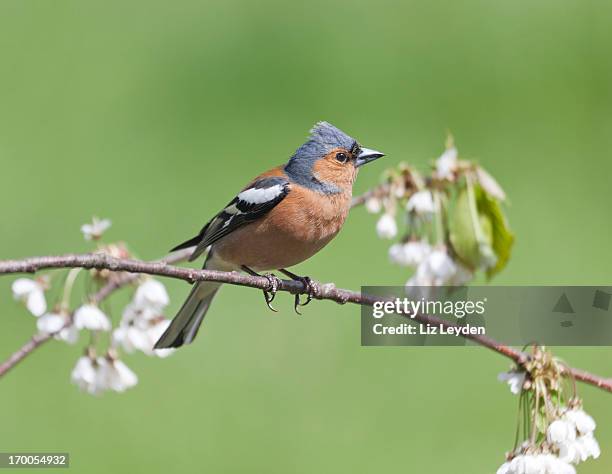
(312, 216)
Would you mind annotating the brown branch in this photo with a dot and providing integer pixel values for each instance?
(321, 291)
(35, 341)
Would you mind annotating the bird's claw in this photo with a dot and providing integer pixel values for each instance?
(309, 290)
(270, 292)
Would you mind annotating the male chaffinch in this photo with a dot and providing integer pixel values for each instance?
(281, 218)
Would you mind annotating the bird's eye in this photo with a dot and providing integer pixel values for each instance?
(341, 157)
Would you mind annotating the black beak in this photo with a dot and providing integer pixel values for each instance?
(366, 155)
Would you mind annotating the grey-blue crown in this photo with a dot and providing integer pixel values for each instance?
(323, 138)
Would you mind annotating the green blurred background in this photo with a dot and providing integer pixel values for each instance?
(155, 113)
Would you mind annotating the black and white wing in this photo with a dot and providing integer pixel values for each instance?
(250, 204)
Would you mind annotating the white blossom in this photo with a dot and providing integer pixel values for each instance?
(32, 294)
(572, 435)
(561, 431)
(91, 317)
(583, 448)
(373, 205)
(55, 323)
(396, 254)
(590, 446)
(95, 230)
(437, 269)
(141, 323)
(504, 468)
(97, 375)
(528, 464)
(536, 464)
(84, 374)
(446, 165)
(133, 312)
(422, 276)
(131, 338)
(151, 294)
(441, 265)
(514, 379)
(69, 334)
(114, 375)
(50, 323)
(422, 202)
(584, 423)
(555, 465)
(142, 335)
(409, 254)
(386, 227)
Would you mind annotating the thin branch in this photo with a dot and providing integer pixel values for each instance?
(35, 341)
(327, 291)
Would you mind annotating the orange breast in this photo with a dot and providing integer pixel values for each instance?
(297, 228)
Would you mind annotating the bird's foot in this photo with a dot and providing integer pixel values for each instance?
(309, 290)
(273, 284)
(270, 293)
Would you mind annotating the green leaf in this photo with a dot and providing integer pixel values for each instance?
(502, 237)
(462, 232)
(478, 231)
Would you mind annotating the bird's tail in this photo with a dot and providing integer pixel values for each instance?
(185, 325)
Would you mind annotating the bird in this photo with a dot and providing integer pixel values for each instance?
(280, 219)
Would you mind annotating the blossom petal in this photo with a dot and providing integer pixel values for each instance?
(386, 227)
(84, 373)
(69, 334)
(50, 323)
(36, 303)
(373, 205)
(561, 431)
(95, 230)
(514, 379)
(446, 165)
(421, 202)
(151, 293)
(22, 287)
(114, 375)
(583, 421)
(91, 317)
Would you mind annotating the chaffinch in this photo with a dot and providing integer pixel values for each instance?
(281, 218)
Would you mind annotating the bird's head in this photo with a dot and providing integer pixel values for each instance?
(329, 160)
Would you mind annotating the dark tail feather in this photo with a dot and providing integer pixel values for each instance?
(185, 325)
(188, 243)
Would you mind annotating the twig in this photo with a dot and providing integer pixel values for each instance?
(321, 291)
(36, 341)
